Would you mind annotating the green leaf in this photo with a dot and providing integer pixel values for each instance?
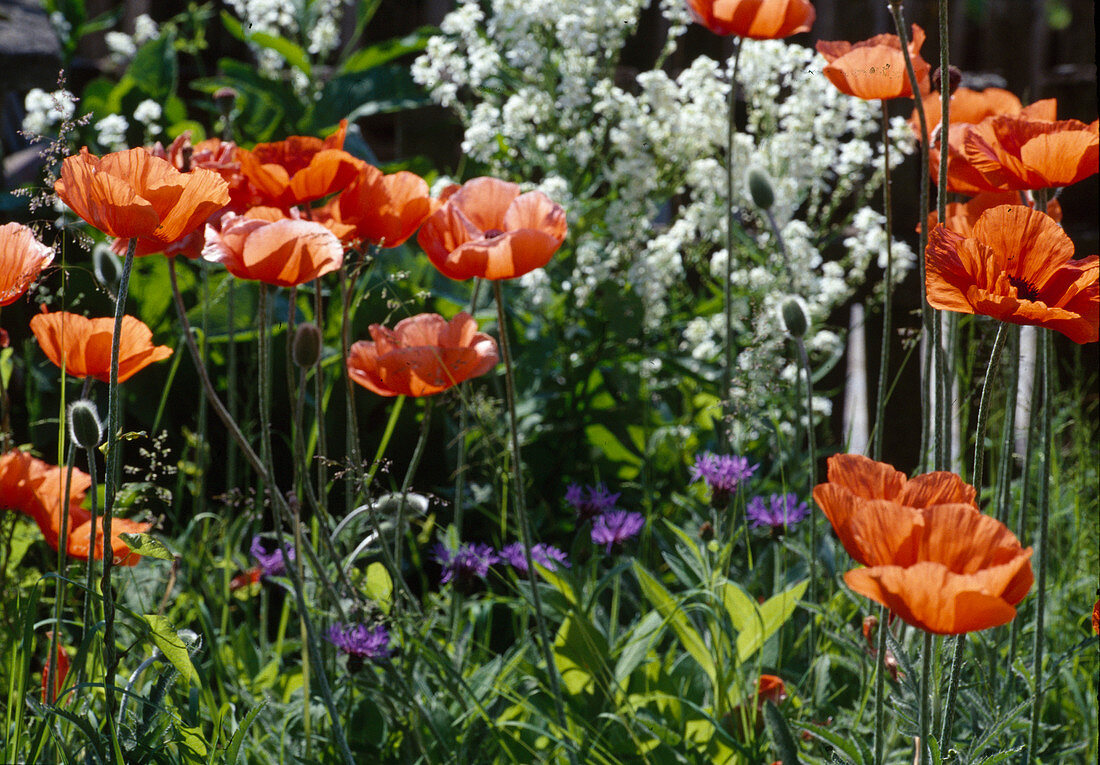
(603, 439)
(147, 546)
(693, 643)
(637, 644)
(838, 742)
(233, 26)
(558, 583)
(781, 734)
(155, 69)
(743, 612)
(378, 90)
(168, 641)
(387, 50)
(773, 613)
(379, 585)
(232, 753)
(999, 757)
(580, 653)
(291, 52)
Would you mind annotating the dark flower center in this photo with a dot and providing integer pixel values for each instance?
(493, 232)
(1024, 290)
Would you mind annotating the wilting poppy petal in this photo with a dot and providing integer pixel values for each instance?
(134, 194)
(22, 258)
(875, 68)
(488, 229)
(85, 344)
(755, 19)
(283, 252)
(421, 356)
(1017, 267)
(80, 540)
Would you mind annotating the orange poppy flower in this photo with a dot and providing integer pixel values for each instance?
(1018, 153)
(954, 570)
(855, 480)
(422, 355)
(85, 344)
(61, 666)
(1016, 266)
(80, 540)
(1096, 618)
(33, 487)
(756, 19)
(961, 216)
(383, 209)
(211, 154)
(265, 245)
(487, 228)
(22, 258)
(299, 169)
(875, 68)
(134, 194)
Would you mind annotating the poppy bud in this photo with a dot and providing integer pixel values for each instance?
(954, 77)
(224, 99)
(760, 187)
(306, 349)
(85, 427)
(794, 318)
(107, 266)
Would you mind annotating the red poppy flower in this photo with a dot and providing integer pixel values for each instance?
(1018, 153)
(61, 666)
(756, 19)
(961, 216)
(487, 228)
(875, 68)
(383, 209)
(85, 344)
(22, 258)
(1016, 266)
(854, 480)
(134, 194)
(211, 154)
(264, 245)
(954, 571)
(299, 169)
(80, 540)
(421, 356)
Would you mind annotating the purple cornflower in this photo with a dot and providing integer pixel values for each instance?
(778, 512)
(360, 641)
(547, 555)
(590, 501)
(615, 527)
(723, 473)
(271, 563)
(467, 563)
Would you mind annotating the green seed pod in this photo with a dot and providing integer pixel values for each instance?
(306, 348)
(760, 187)
(85, 427)
(794, 318)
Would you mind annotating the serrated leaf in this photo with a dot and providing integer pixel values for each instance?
(689, 637)
(147, 546)
(165, 638)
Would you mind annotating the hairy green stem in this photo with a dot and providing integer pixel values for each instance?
(410, 471)
(923, 689)
(888, 294)
(724, 445)
(976, 477)
(880, 684)
(524, 522)
(804, 358)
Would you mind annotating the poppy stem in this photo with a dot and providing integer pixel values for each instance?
(62, 542)
(351, 428)
(976, 477)
(724, 445)
(111, 479)
(888, 292)
(922, 690)
(1005, 461)
(524, 521)
(880, 684)
(804, 358)
(943, 428)
(414, 463)
(1046, 361)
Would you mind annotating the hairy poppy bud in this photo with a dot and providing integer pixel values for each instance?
(954, 77)
(224, 99)
(760, 187)
(306, 349)
(85, 427)
(794, 318)
(107, 267)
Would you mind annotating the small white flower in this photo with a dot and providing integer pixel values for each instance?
(121, 47)
(145, 29)
(111, 132)
(147, 111)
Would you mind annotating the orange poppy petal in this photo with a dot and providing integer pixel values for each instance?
(870, 73)
(928, 596)
(363, 368)
(485, 201)
(80, 540)
(1062, 159)
(1026, 243)
(22, 258)
(936, 488)
(755, 19)
(290, 252)
(329, 171)
(203, 194)
(865, 477)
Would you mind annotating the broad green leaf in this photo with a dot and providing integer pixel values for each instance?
(291, 52)
(379, 585)
(192, 739)
(173, 648)
(558, 582)
(233, 26)
(147, 546)
(385, 51)
(637, 644)
(693, 643)
(743, 612)
(606, 441)
(580, 653)
(773, 613)
(155, 68)
(382, 89)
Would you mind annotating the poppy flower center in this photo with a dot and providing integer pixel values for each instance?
(493, 232)
(1024, 290)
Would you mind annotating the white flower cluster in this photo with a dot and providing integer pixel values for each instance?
(148, 113)
(540, 90)
(317, 22)
(121, 47)
(111, 132)
(44, 110)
